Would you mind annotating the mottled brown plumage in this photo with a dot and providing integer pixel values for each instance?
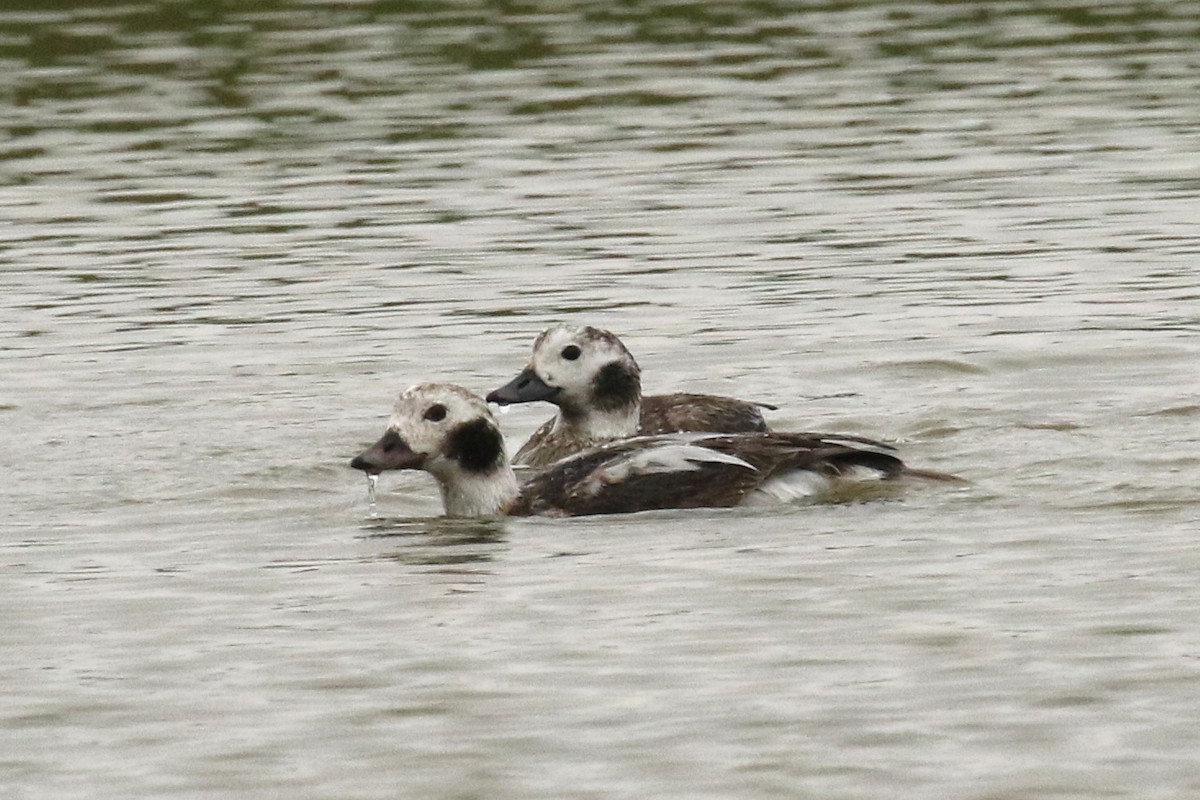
(675, 413)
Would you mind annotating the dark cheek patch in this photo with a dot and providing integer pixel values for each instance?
(477, 446)
(615, 387)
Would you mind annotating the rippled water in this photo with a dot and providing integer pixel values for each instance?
(232, 233)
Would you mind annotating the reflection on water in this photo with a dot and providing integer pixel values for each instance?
(437, 540)
(233, 233)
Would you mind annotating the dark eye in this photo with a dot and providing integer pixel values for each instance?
(570, 352)
(435, 413)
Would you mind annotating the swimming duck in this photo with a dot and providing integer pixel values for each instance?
(450, 433)
(595, 382)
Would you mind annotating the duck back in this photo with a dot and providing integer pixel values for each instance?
(673, 413)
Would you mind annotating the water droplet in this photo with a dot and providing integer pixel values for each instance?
(503, 409)
(372, 480)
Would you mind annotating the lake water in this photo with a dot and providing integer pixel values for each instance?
(232, 233)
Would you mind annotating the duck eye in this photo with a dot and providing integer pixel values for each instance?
(570, 352)
(435, 413)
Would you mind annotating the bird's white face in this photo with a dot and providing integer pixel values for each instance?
(450, 433)
(428, 417)
(569, 360)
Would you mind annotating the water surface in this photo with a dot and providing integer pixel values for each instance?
(232, 234)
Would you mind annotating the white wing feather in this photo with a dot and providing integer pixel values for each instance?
(681, 458)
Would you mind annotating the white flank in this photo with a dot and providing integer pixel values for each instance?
(796, 485)
(802, 484)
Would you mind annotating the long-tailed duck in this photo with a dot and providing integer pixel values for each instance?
(596, 384)
(451, 434)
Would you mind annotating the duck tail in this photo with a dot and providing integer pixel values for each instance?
(933, 475)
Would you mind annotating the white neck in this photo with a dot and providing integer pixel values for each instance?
(474, 494)
(600, 426)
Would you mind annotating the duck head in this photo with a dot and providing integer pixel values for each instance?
(580, 370)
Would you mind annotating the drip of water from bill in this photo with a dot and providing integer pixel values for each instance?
(372, 480)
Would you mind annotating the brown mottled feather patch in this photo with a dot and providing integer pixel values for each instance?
(673, 413)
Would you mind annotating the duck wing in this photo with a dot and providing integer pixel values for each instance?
(830, 455)
(639, 474)
(696, 470)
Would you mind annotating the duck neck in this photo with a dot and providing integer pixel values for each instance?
(479, 494)
(599, 425)
(473, 471)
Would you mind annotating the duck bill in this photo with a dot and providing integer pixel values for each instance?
(390, 452)
(525, 388)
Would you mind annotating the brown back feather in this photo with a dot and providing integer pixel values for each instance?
(674, 413)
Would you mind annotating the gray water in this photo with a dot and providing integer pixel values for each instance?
(232, 232)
